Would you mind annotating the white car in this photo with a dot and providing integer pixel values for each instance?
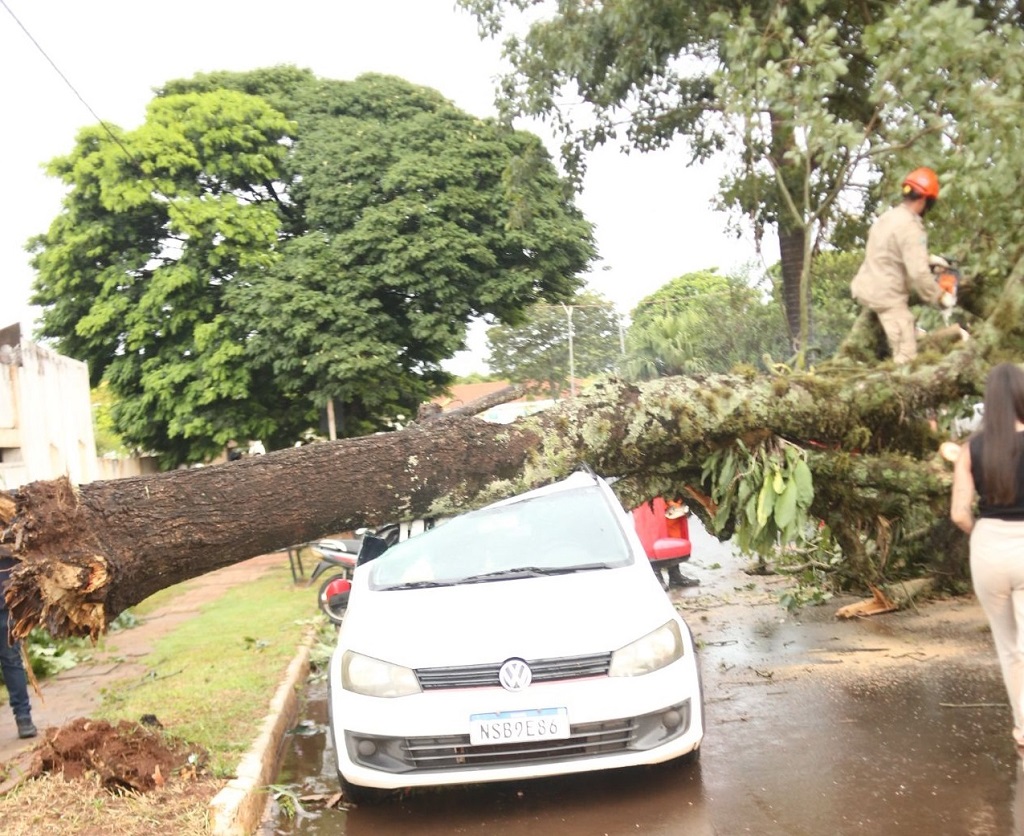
(526, 639)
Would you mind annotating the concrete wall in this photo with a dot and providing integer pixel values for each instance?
(119, 468)
(45, 414)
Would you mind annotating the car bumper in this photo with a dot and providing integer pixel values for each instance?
(423, 740)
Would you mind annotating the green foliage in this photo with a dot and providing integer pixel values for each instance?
(960, 112)
(833, 308)
(476, 377)
(267, 242)
(763, 493)
(108, 440)
(701, 323)
(286, 796)
(50, 656)
(537, 351)
(804, 594)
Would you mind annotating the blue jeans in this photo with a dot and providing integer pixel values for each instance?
(13, 670)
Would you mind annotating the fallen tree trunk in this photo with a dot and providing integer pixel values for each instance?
(90, 552)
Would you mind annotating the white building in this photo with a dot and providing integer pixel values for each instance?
(45, 415)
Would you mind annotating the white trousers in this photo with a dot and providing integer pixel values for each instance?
(997, 572)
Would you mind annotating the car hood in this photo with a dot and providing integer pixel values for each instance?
(548, 617)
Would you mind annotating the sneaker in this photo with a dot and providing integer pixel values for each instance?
(26, 728)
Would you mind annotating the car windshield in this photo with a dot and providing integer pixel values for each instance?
(566, 531)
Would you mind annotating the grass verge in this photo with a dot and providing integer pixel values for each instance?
(49, 806)
(210, 681)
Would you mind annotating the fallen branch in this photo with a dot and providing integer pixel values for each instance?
(879, 603)
(888, 599)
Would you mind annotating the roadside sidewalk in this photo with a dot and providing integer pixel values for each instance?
(78, 692)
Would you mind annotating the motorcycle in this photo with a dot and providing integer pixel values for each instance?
(339, 558)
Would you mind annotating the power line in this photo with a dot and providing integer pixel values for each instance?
(67, 81)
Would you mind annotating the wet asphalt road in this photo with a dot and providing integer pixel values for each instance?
(814, 726)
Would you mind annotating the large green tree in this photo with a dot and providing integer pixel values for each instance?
(557, 343)
(269, 243)
(819, 104)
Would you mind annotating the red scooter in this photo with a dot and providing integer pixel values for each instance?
(338, 557)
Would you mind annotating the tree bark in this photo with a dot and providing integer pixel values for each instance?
(791, 259)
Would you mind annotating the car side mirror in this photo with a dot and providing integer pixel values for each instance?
(371, 548)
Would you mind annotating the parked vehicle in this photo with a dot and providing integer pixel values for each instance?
(526, 639)
(337, 557)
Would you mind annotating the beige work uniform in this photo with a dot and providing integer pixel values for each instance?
(896, 262)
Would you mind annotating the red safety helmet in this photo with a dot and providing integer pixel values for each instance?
(922, 181)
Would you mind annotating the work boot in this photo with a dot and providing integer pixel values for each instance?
(26, 728)
(678, 579)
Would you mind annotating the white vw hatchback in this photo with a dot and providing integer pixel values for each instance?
(526, 639)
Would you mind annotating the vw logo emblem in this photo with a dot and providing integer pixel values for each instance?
(515, 675)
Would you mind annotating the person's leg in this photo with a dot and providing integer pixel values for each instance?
(998, 580)
(15, 678)
(865, 342)
(900, 331)
(677, 578)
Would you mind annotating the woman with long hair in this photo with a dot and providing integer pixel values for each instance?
(991, 465)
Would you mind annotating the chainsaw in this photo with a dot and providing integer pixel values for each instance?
(947, 274)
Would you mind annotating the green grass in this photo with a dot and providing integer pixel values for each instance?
(211, 680)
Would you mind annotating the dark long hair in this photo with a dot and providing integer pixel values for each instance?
(1002, 447)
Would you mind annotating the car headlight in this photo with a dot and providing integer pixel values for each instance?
(374, 678)
(653, 652)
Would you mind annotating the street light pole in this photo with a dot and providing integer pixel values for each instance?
(572, 357)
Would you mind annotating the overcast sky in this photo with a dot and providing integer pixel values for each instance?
(652, 213)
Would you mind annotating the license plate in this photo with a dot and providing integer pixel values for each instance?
(518, 726)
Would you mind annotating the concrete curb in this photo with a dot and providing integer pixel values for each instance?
(237, 810)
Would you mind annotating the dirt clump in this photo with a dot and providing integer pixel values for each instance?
(126, 757)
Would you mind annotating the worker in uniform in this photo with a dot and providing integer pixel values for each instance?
(896, 263)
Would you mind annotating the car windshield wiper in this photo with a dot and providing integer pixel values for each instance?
(531, 572)
(418, 585)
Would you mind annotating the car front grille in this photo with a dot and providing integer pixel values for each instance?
(485, 676)
(585, 740)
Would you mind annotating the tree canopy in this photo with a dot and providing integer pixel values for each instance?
(557, 342)
(268, 242)
(701, 323)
